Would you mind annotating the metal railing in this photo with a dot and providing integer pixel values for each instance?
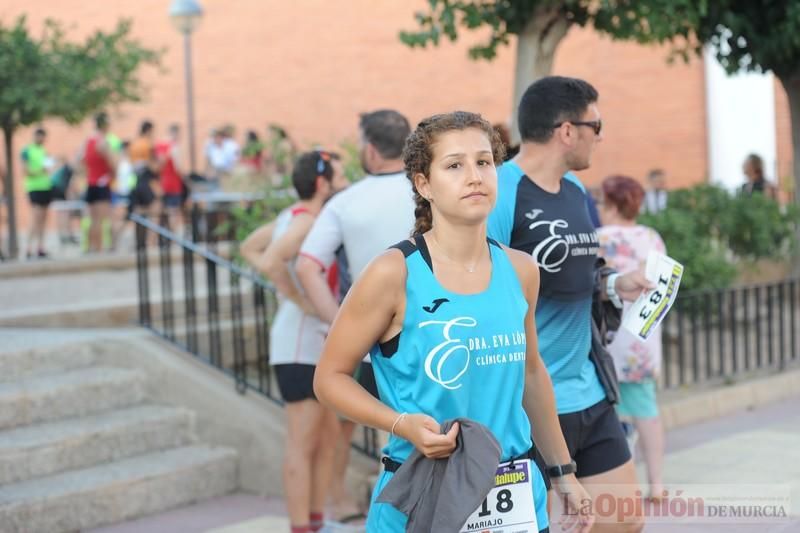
(212, 308)
(221, 313)
(718, 336)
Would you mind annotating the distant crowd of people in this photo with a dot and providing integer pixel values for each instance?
(150, 176)
(113, 178)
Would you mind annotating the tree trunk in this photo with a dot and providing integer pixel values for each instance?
(792, 87)
(8, 189)
(536, 49)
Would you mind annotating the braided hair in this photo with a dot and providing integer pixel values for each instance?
(418, 154)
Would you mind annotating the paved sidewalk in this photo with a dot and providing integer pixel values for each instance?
(227, 511)
(758, 447)
(761, 446)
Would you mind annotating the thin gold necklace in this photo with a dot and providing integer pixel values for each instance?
(470, 269)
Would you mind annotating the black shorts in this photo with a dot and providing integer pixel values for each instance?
(40, 198)
(57, 193)
(595, 440)
(173, 200)
(296, 382)
(366, 378)
(97, 193)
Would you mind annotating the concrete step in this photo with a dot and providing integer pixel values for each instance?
(46, 449)
(113, 492)
(70, 394)
(40, 361)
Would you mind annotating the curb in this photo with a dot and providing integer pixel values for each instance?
(692, 406)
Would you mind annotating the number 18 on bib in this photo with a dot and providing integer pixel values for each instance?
(509, 507)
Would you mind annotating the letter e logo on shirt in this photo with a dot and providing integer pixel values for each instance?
(553, 249)
(436, 367)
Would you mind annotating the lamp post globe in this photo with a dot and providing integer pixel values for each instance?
(185, 15)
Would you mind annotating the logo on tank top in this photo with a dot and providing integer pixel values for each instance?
(554, 247)
(452, 350)
(448, 361)
(434, 305)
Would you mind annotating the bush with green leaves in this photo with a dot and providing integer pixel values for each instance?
(710, 230)
(278, 193)
(688, 241)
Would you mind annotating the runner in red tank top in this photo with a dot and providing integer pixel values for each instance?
(98, 170)
(99, 175)
(172, 184)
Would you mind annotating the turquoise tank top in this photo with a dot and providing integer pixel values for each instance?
(458, 355)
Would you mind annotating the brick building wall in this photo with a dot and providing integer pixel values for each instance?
(312, 66)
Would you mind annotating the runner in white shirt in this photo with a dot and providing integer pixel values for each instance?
(296, 338)
(366, 219)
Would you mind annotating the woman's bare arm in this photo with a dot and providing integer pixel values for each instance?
(368, 312)
(274, 261)
(254, 244)
(373, 311)
(539, 402)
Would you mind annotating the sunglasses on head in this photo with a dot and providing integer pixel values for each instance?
(324, 157)
(596, 125)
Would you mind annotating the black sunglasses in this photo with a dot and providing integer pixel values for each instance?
(596, 125)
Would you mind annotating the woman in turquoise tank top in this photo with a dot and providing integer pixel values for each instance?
(449, 319)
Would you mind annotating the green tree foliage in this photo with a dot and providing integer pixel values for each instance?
(51, 77)
(540, 25)
(760, 36)
(278, 192)
(644, 21)
(754, 35)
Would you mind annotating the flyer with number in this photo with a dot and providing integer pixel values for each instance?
(649, 310)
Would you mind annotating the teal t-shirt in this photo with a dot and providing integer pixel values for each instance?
(557, 231)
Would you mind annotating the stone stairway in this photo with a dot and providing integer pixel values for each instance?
(81, 447)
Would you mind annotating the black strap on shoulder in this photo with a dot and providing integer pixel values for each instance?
(423, 249)
(405, 246)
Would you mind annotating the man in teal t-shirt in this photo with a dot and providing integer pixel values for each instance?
(39, 189)
(541, 210)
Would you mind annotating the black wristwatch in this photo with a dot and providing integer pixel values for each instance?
(562, 470)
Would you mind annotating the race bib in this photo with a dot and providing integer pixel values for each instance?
(509, 507)
(651, 307)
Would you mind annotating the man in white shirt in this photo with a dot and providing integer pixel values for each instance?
(366, 218)
(222, 154)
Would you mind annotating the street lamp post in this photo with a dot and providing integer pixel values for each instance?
(185, 14)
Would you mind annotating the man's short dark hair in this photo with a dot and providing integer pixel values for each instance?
(40, 132)
(307, 168)
(146, 127)
(386, 130)
(551, 100)
(101, 119)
